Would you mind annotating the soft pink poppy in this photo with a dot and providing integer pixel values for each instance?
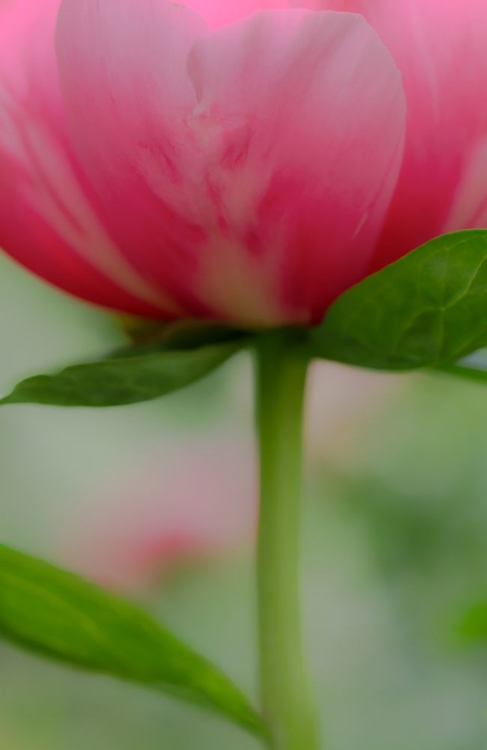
(198, 501)
(245, 161)
(189, 505)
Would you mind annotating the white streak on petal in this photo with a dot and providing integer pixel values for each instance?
(52, 190)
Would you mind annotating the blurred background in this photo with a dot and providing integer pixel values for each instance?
(158, 502)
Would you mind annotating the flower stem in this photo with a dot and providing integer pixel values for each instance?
(287, 704)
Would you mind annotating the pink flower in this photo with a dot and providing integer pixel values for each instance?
(197, 499)
(207, 159)
(195, 502)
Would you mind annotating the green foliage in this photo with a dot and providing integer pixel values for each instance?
(429, 309)
(59, 615)
(179, 334)
(473, 368)
(472, 628)
(136, 374)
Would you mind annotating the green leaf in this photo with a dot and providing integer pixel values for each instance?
(472, 626)
(133, 375)
(429, 309)
(179, 334)
(473, 368)
(59, 615)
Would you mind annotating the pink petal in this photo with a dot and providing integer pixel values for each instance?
(127, 93)
(220, 13)
(440, 47)
(309, 112)
(46, 219)
(258, 194)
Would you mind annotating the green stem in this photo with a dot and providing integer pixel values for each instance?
(288, 707)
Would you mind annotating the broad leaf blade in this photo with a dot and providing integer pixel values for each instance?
(428, 309)
(61, 616)
(134, 375)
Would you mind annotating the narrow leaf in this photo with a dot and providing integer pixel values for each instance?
(472, 368)
(136, 374)
(59, 615)
(428, 309)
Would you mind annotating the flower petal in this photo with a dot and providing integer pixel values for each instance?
(127, 93)
(440, 48)
(257, 195)
(305, 116)
(46, 219)
(219, 14)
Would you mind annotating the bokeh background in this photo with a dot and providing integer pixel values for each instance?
(158, 501)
